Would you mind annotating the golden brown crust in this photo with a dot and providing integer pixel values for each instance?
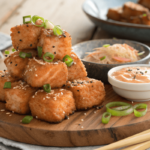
(145, 3)
(57, 45)
(77, 69)
(4, 77)
(52, 107)
(16, 65)
(38, 72)
(87, 92)
(131, 9)
(115, 13)
(17, 98)
(25, 36)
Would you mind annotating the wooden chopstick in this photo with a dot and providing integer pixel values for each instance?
(136, 139)
(141, 146)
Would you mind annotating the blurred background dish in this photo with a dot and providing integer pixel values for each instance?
(99, 71)
(97, 10)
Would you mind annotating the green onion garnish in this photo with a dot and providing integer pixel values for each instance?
(140, 113)
(144, 15)
(106, 45)
(106, 117)
(7, 85)
(119, 112)
(141, 53)
(48, 25)
(35, 18)
(47, 88)
(121, 108)
(27, 119)
(13, 50)
(22, 54)
(50, 55)
(24, 18)
(103, 58)
(6, 52)
(39, 51)
(29, 55)
(57, 30)
(68, 60)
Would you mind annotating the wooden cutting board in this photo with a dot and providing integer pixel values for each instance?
(70, 132)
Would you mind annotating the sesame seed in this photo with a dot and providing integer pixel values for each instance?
(11, 62)
(81, 127)
(20, 40)
(82, 119)
(10, 115)
(132, 102)
(54, 52)
(94, 112)
(18, 31)
(15, 64)
(7, 113)
(32, 96)
(36, 75)
(78, 90)
(84, 114)
(53, 46)
(30, 45)
(43, 98)
(2, 109)
(36, 117)
(5, 55)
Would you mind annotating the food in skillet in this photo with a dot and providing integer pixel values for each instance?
(115, 54)
(40, 72)
(131, 13)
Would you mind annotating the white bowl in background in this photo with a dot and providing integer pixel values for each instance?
(138, 92)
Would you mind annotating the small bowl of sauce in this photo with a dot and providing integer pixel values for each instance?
(131, 81)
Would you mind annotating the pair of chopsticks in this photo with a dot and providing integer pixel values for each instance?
(139, 141)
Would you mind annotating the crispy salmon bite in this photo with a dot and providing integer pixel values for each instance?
(87, 92)
(38, 73)
(17, 98)
(25, 36)
(4, 77)
(54, 106)
(16, 65)
(60, 45)
(77, 69)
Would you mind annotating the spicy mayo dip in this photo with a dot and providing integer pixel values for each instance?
(133, 74)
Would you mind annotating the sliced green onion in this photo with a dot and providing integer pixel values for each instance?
(22, 54)
(68, 60)
(35, 18)
(13, 50)
(118, 112)
(39, 51)
(121, 108)
(29, 55)
(140, 113)
(57, 30)
(7, 52)
(103, 58)
(27, 119)
(106, 117)
(141, 53)
(50, 55)
(144, 15)
(24, 19)
(106, 45)
(7, 85)
(47, 88)
(48, 25)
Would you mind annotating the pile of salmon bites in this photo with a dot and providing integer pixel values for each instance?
(45, 77)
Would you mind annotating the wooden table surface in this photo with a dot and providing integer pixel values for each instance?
(67, 13)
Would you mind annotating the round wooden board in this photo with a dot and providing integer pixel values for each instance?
(69, 132)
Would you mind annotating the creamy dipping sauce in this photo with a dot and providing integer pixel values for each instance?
(133, 74)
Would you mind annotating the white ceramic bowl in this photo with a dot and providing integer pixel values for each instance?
(138, 92)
